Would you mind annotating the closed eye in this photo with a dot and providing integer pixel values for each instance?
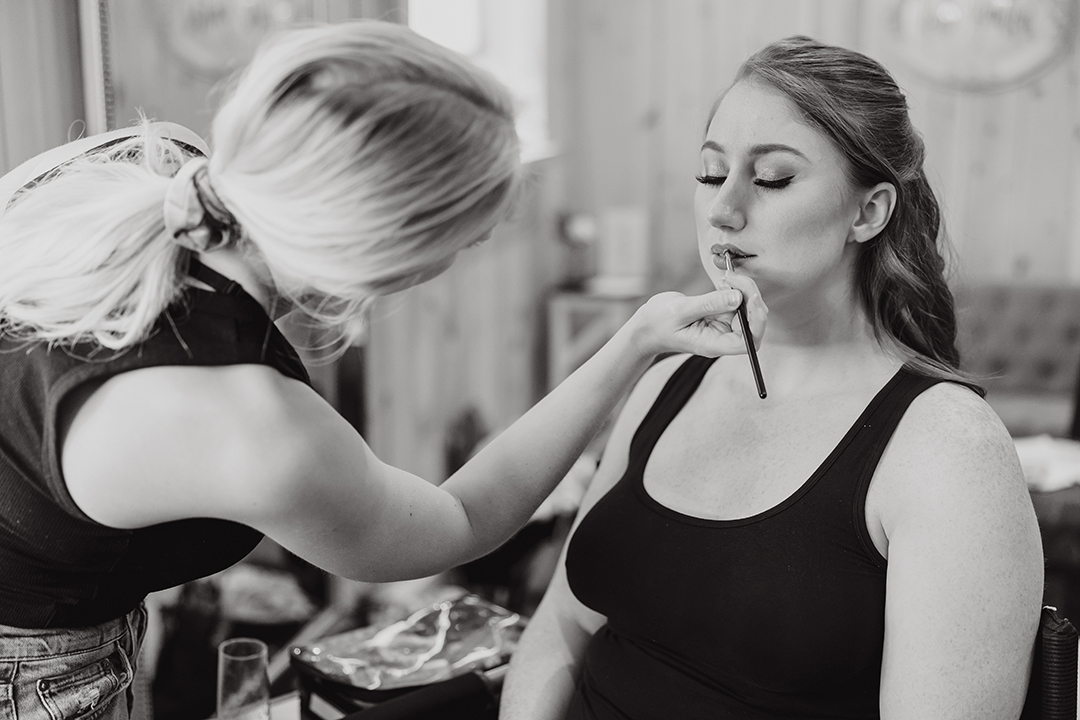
(774, 184)
(760, 182)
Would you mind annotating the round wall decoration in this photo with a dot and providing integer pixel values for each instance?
(214, 37)
(987, 45)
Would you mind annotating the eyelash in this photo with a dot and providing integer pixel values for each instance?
(767, 184)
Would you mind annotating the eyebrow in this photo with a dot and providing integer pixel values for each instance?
(758, 150)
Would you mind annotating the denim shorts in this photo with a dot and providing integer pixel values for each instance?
(63, 674)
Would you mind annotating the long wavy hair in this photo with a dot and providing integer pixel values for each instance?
(901, 273)
(357, 158)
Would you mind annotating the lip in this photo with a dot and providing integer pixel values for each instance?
(719, 249)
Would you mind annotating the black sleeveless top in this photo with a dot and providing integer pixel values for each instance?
(778, 615)
(59, 568)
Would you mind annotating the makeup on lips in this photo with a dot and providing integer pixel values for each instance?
(725, 255)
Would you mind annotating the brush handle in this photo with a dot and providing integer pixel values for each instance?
(749, 339)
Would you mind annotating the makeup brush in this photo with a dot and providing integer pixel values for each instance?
(748, 338)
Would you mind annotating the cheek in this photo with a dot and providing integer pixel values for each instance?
(702, 201)
(702, 227)
(813, 220)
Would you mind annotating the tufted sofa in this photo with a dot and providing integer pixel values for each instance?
(1024, 341)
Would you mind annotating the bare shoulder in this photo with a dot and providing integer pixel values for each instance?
(155, 442)
(956, 408)
(955, 522)
(949, 427)
(950, 461)
(202, 407)
(242, 394)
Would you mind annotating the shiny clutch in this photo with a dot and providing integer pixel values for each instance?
(360, 668)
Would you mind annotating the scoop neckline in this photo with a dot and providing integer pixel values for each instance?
(794, 497)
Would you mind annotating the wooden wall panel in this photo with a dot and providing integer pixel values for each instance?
(467, 341)
(838, 22)
(149, 77)
(1000, 162)
(41, 102)
(615, 105)
(682, 107)
(1071, 156)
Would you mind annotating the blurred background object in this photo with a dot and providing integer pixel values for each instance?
(982, 45)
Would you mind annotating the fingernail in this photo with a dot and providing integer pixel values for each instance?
(733, 296)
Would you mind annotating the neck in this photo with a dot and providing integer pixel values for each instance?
(801, 371)
(821, 343)
(245, 269)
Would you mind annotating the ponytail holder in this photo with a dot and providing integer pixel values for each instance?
(194, 215)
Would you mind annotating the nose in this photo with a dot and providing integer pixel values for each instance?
(726, 211)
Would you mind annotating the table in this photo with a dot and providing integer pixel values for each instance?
(285, 707)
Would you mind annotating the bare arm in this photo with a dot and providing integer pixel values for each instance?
(965, 564)
(246, 444)
(546, 664)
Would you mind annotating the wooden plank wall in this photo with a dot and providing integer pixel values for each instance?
(470, 340)
(150, 79)
(1005, 164)
(40, 78)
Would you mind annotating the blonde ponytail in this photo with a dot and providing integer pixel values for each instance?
(84, 256)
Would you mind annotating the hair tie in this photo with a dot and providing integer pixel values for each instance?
(194, 215)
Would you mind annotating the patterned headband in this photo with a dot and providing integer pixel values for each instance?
(43, 165)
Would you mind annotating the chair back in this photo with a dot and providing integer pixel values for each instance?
(1052, 689)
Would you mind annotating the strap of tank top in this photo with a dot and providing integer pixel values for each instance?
(877, 430)
(676, 392)
(220, 283)
(273, 342)
(880, 423)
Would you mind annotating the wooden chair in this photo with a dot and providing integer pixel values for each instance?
(1052, 690)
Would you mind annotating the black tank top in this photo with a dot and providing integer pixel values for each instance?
(59, 568)
(778, 615)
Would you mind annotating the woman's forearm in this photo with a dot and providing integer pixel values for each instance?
(502, 486)
(401, 526)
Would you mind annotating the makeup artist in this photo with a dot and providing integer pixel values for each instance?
(859, 543)
(156, 423)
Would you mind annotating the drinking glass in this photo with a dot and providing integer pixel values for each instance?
(243, 687)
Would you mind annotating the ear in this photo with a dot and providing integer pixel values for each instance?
(875, 209)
